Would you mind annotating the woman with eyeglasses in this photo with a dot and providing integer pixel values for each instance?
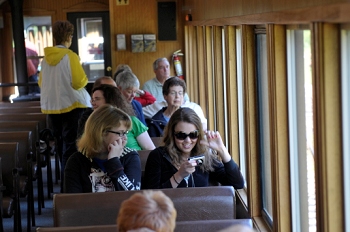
(174, 90)
(169, 166)
(102, 162)
(138, 137)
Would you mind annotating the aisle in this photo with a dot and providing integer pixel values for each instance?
(46, 217)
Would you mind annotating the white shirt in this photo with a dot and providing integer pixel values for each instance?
(150, 110)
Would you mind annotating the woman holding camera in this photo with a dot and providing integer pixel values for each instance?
(175, 165)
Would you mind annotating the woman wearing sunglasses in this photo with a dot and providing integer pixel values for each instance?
(169, 166)
(102, 162)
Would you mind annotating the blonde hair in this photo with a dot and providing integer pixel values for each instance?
(148, 209)
(100, 121)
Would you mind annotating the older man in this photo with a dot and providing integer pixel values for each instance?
(161, 68)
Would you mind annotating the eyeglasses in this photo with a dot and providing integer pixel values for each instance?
(96, 99)
(182, 136)
(120, 133)
(173, 93)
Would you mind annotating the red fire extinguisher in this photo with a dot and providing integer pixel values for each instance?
(177, 64)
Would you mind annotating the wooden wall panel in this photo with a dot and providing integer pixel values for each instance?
(207, 9)
(140, 17)
(231, 90)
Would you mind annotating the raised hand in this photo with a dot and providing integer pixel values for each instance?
(116, 148)
(214, 141)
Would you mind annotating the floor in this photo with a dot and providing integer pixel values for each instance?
(46, 217)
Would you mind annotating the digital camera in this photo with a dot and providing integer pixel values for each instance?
(199, 159)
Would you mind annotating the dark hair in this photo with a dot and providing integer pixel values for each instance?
(173, 81)
(61, 31)
(114, 97)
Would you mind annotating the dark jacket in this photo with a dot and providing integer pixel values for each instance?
(124, 172)
(138, 111)
(159, 170)
(157, 124)
(82, 120)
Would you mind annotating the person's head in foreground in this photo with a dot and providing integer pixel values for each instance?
(147, 211)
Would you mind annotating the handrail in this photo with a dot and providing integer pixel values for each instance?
(18, 84)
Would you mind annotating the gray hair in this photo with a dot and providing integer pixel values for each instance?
(127, 79)
(121, 68)
(156, 62)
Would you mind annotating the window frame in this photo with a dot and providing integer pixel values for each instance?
(345, 62)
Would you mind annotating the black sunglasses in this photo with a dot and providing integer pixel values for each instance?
(182, 136)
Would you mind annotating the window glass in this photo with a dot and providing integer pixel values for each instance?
(38, 35)
(345, 64)
(224, 87)
(240, 88)
(300, 110)
(90, 46)
(264, 129)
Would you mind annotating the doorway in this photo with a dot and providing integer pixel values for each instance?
(91, 41)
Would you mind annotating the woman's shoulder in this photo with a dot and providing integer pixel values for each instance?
(78, 157)
(159, 114)
(134, 119)
(128, 152)
(137, 125)
(159, 151)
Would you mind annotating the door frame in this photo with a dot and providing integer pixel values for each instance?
(72, 18)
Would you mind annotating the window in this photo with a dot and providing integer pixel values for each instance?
(345, 64)
(300, 110)
(38, 35)
(242, 153)
(264, 125)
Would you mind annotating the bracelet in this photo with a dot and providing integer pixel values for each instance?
(175, 180)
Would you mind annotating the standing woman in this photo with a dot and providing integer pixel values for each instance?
(168, 166)
(102, 162)
(63, 96)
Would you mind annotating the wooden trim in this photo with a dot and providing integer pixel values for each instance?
(260, 224)
(191, 74)
(335, 13)
(327, 126)
(88, 6)
(250, 114)
(112, 24)
(194, 65)
(201, 70)
(278, 100)
(231, 92)
(209, 77)
(218, 83)
(187, 75)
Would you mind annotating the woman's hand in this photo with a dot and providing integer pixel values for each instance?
(116, 148)
(214, 141)
(187, 168)
(140, 92)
